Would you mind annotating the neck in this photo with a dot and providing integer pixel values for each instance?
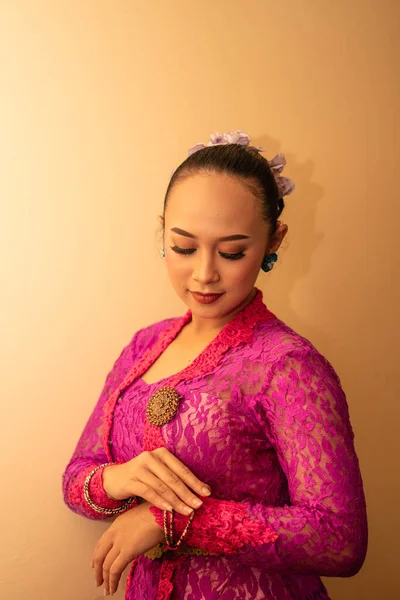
(201, 326)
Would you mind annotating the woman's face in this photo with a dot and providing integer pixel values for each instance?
(215, 240)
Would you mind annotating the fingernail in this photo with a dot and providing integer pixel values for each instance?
(188, 510)
(197, 502)
(206, 491)
(167, 506)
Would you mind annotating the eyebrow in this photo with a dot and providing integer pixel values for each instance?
(227, 238)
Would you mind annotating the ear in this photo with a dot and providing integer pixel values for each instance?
(278, 237)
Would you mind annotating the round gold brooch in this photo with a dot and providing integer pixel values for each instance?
(162, 406)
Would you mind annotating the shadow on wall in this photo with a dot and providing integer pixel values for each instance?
(303, 240)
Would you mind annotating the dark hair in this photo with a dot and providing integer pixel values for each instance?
(239, 161)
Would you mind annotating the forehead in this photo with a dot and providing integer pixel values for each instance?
(214, 203)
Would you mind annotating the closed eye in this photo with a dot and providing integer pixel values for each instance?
(235, 256)
(183, 250)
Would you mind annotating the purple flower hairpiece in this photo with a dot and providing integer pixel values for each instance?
(285, 185)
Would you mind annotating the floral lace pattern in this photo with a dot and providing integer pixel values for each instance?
(264, 421)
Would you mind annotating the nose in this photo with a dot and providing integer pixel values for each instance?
(205, 270)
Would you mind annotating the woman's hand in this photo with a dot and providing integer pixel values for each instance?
(158, 477)
(131, 535)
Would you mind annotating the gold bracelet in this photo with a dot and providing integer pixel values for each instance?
(96, 507)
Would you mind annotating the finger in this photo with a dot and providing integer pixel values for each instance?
(183, 472)
(155, 491)
(108, 562)
(170, 480)
(117, 568)
(100, 553)
(168, 485)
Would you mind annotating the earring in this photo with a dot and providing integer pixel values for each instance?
(162, 253)
(269, 262)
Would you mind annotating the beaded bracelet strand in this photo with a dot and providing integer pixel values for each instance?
(169, 535)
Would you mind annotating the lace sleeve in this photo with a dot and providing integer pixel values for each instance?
(89, 452)
(323, 531)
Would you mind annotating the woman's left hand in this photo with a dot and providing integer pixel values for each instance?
(132, 534)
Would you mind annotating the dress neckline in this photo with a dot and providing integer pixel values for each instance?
(237, 331)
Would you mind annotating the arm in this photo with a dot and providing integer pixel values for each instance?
(323, 531)
(89, 452)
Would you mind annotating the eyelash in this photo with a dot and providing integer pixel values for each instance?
(186, 251)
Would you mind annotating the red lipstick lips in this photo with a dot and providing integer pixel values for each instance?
(205, 298)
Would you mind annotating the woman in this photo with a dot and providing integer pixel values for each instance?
(221, 439)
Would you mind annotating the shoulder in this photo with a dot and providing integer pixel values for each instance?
(282, 349)
(142, 340)
(148, 335)
(278, 339)
(299, 383)
(145, 337)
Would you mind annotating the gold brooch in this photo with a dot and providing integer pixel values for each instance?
(162, 406)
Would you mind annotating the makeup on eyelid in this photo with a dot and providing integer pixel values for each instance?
(227, 255)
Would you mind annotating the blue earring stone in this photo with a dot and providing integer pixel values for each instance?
(269, 262)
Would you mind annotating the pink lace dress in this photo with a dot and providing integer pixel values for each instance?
(264, 421)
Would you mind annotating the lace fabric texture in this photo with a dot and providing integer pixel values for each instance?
(264, 421)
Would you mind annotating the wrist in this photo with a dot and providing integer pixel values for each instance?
(150, 519)
(108, 483)
(96, 496)
(148, 515)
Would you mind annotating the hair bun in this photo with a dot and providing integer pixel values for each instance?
(285, 185)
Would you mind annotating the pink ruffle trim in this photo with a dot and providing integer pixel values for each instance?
(220, 527)
(130, 577)
(153, 438)
(168, 569)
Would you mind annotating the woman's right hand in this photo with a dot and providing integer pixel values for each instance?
(158, 477)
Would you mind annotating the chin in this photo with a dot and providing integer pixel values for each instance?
(220, 310)
(207, 312)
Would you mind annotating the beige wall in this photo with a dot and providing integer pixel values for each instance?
(99, 102)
